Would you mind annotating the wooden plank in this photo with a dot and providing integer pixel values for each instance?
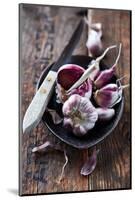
(45, 32)
(113, 168)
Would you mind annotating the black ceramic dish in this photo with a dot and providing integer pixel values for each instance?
(94, 136)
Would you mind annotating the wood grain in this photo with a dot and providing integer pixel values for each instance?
(113, 168)
(44, 32)
(44, 36)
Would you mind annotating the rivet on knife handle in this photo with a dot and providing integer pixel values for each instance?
(37, 107)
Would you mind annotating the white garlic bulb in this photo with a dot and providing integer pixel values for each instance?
(79, 114)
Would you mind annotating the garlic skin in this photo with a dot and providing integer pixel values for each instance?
(61, 95)
(90, 164)
(55, 116)
(67, 75)
(108, 96)
(105, 114)
(79, 114)
(95, 73)
(94, 43)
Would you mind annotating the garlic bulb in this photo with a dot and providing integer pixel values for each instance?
(67, 75)
(79, 114)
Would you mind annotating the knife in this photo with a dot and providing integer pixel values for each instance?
(40, 101)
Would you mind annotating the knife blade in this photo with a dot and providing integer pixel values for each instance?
(40, 101)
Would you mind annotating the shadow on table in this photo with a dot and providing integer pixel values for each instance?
(13, 191)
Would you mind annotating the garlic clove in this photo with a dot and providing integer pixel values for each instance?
(105, 76)
(94, 43)
(70, 104)
(90, 164)
(105, 114)
(109, 95)
(79, 130)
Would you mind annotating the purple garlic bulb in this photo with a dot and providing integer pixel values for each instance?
(67, 75)
(108, 96)
(79, 114)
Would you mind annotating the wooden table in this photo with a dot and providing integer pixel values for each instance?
(44, 33)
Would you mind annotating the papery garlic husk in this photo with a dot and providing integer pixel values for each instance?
(55, 116)
(42, 148)
(105, 114)
(67, 75)
(108, 96)
(94, 43)
(95, 73)
(47, 146)
(79, 114)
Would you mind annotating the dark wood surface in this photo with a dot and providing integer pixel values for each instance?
(113, 168)
(44, 33)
